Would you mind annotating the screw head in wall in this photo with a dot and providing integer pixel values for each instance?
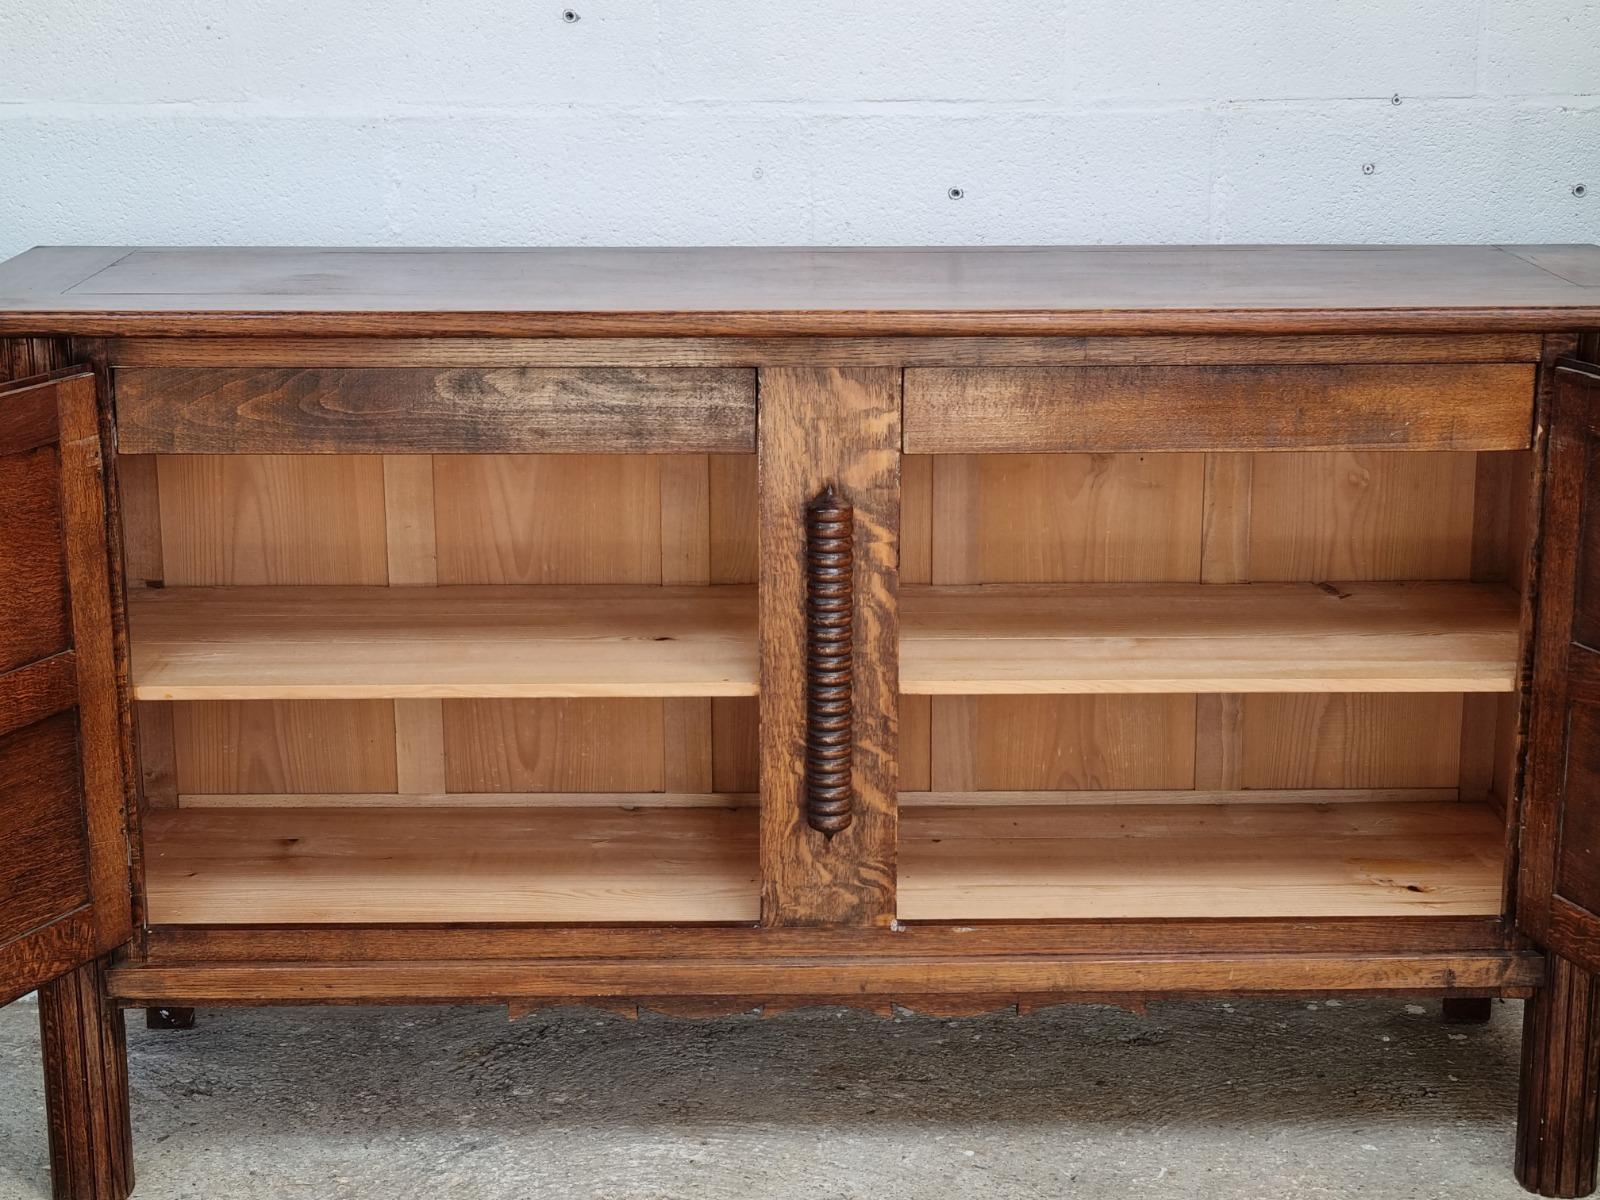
(569, 15)
(955, 193)
(1369, 168)
(1579, 190)
(1395, 99)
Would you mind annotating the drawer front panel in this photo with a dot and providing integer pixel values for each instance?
(1478, 406)
(508, 410)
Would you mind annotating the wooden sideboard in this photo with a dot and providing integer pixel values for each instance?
(707, 629)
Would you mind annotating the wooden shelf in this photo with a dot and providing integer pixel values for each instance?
(1197, 860)
(1254, 637)
(325, 643)
(349, 866)
(957, 863)
(355, 643)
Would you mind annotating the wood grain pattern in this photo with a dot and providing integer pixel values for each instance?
(456, 642)
(548, 519)
(1085, 518)
(411, 540)
(1164, 638)
(44, 872)
(271, 746)
(1077, 518)
(171, 945)
(1557, 871)
(86, 1087)
(1557, 1125)
(1351, 740)
(664, 865)
(1094, 742)
(139, 483)
(443, 799)
(1354, 515)
(34, 614)
(916, 567)
(63, 800)
(823, 427)
(966, 410)
(554, 746)
(251, 519)
(176, 410)
(803, 351)
(1198, 860)
(1097, 975)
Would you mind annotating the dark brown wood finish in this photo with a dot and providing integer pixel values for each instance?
(1466, 1010)
(624, 351)
(1559, 884)
(1556, 1117)
(822, 427)
(168, 1018)
(177, 945)
(789, 291)
(86, 1087)
(830, 618)
(64, 874)
(1218, 408)
(178, 410)
(815, 974)
(236, 352)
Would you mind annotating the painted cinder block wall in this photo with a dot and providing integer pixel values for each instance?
(765, 121)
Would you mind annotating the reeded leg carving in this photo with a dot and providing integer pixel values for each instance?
(86, 1088)
(1466, 1010)
(1556, 1119)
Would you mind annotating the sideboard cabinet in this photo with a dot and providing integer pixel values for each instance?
(714, 629)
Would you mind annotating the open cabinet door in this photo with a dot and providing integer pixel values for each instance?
(1559, 886)
(64, 880)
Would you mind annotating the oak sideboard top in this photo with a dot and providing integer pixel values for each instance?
(792, 291)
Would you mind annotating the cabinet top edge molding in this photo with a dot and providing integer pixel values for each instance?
(797, 291)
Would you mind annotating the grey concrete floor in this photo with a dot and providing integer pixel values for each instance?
(1375, 1099)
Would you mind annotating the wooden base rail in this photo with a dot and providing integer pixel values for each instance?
(802, 975)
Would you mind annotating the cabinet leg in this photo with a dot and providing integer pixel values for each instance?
(1556, 1119)
(1466, 1010)
(86, 1088)
(169, 1018)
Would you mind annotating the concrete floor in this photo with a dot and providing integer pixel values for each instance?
(1375, 1099)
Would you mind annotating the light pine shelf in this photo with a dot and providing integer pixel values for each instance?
(331, 643)
(278, 865)
(1253, 859)
(1376, 859)
(1252, 637)
(282, 643)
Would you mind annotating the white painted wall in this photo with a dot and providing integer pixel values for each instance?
(798, 121)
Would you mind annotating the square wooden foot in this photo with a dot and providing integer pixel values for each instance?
(169, 1018)
(86, 1088)
(1556, 1119)
(1466, 1010)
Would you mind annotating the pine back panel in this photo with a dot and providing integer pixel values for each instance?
(439, 520)
(1182, 517)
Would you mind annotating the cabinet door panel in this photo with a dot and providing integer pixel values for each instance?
(64, 883)
(1559, 887)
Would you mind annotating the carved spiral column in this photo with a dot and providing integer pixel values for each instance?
(830, 604)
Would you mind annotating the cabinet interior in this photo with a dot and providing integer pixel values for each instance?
(507, 688)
